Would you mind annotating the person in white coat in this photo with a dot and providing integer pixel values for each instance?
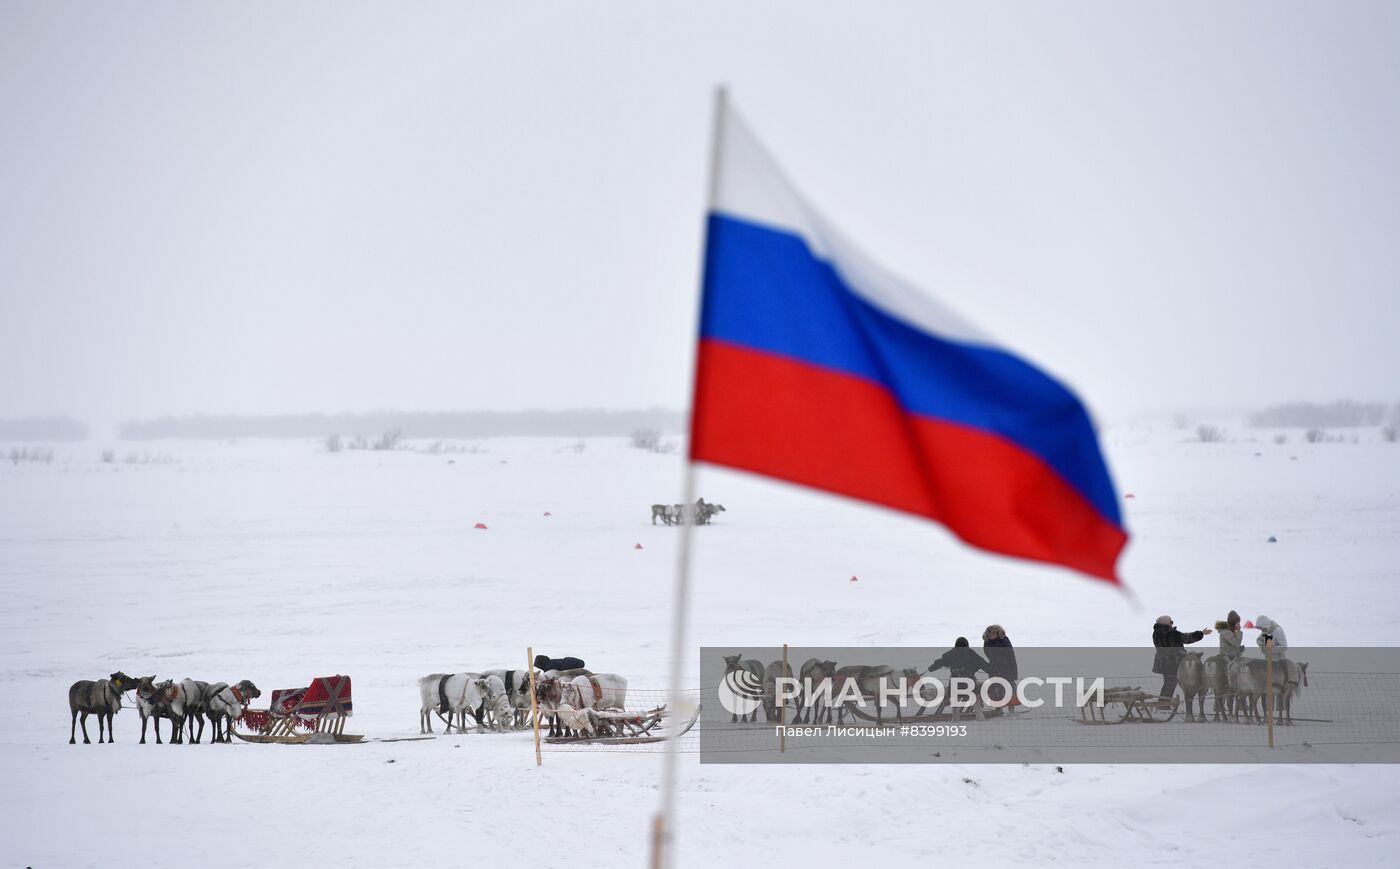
(1270, 629)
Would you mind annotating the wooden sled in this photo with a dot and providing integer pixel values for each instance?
(615, 727)
(1135, 705)
(320, 709)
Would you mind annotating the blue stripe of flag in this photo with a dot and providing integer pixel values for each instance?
(766, 290)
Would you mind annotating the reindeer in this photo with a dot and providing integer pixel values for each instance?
(1249, 680)
(102, 698)
(455, 695)
(1191, 676)
(771, 674)
(1218, 681)
(492, 694)
(754, 670)
(224, 704)
(662, 512)
(154, 701)
(194, 692)
(594, 691)
(866, 679)
(577, 722)
(1296, 679)
(517, 685)
(428, 697)
(1290, 678)
(814, 678)
(549, 695)
(1245, 685)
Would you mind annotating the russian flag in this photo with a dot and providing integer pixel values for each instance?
(818, 367)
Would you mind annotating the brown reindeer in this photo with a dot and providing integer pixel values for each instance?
(814, 678)
(102, 698)
(1191, 677)
(153, 701)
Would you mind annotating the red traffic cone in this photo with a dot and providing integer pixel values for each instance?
(480, 526)
(1249, 625)
(638, 546)
(853, 579)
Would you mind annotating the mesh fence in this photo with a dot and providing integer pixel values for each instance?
(648, 721)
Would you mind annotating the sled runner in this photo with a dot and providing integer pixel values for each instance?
(320, 709)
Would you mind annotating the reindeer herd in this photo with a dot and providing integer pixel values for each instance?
(570, 701)
(189, 701)
(1240, 687)
(699, 513)
(818, 681)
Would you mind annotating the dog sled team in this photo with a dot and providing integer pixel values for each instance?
(189, 701)
(699, 513)
(572, 700)
(1240, 684)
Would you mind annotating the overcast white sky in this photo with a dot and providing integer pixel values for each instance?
(269, 207)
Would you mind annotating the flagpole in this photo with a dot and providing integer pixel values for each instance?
(663, 829)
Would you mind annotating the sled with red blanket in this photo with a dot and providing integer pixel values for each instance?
(319, 709)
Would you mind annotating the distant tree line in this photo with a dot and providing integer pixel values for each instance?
(43, 428)
(450, 424)
(1336, 414)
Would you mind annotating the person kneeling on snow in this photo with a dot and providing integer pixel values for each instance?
(546, 663)
(1170, 644)
(1272, 630)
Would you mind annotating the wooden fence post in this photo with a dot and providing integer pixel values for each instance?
(1269, 687)
(534, 703)
(782, 705)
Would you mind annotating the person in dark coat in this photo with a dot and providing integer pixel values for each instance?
(1170, 644)
(546, 663)
(997, 646)
(961, 661)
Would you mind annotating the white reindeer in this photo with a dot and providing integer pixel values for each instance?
(462, 692)
(598, 691)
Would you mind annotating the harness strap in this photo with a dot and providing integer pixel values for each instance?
(215, 690)
(444, 706)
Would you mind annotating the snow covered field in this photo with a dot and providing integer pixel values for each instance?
(278, 561)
